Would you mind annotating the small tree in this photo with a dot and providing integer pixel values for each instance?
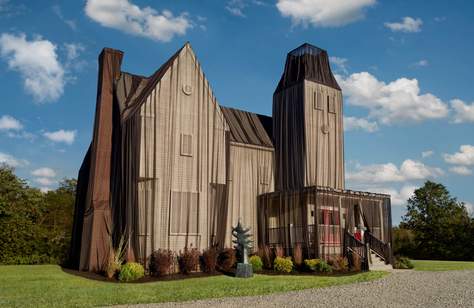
(439, 222)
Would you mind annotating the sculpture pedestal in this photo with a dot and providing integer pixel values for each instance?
(244, 270)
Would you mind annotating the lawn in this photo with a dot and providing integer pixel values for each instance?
(49, 286)
(428, 265)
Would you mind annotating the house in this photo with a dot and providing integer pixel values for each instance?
(169, 167)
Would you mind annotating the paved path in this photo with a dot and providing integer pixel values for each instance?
(400, 289)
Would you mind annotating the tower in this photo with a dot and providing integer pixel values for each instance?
(308, 123)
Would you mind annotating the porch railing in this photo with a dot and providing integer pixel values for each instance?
(353, 246)
(383, 250)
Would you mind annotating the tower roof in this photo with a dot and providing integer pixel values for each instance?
(307, 62)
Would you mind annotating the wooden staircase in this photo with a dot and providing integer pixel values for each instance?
(376, 263)
(380, 253)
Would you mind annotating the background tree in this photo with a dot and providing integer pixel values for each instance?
(34, 226)
(440, 225)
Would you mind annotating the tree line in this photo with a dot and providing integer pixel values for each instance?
(35, 227)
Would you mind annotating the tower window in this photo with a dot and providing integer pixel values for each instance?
(186, 145)
(331, 104)
(317, 101)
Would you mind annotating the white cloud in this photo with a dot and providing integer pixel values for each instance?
(45, 189)
(421, 63)
(464, 157)
(13, 128)
(470, 208)
(44, 172)
(324, 13)
(397, 101)
(461, 170)
(354, 124)
(389, 172)
(340, 63)
(142, 21)
(398, 197)
(236, 7)
(73, 50)
(9, 9)
(426, 154)
(66, 136)
(10, 123)
(70, 22)
(408, 24)
(37, 62)
(463, 112)
(45, 181)
(11, 161)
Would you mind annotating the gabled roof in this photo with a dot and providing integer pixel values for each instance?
(248, 128)
(307, 62)
(135, 100)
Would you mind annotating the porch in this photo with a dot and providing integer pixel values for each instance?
(323, 220)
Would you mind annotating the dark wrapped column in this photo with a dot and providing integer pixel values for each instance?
(97, 226)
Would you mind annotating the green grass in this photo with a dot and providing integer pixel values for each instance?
(49, 286)
(428, 265)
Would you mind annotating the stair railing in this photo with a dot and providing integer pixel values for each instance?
(354, 246)
(383, 250)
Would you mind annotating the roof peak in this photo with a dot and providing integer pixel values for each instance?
(306, 48)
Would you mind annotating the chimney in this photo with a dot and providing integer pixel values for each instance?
(95, 244)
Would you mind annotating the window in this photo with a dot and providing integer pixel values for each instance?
(331, 104)
(317, 101)
(184, 212)
(186, 145)
(328, 217)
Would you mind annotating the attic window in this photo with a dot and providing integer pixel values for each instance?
(331, 104)
(317, 102)
(186, 145)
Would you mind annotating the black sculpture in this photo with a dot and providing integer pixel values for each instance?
(242, 245)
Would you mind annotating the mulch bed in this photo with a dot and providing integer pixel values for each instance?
(177, 276)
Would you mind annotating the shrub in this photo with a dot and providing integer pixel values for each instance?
(188, 260)
(312, 264)
(356, 262)
(324, 267)
(339, 263)
(226, 259)
(318, 265)
(256, 262)
(162, 262)
(116, 258)
(266, 255)
(209, 260)
(284, 265)
(402, 263)
(112, 269)
(298, 255)
(279, 251)
(131, 271)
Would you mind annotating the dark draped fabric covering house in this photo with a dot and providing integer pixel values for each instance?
(169, 167)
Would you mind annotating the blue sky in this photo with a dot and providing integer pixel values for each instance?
(405, 68)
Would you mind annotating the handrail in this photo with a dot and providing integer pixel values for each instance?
(380, 248)
(353, 245)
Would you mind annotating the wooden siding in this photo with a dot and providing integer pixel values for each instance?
(181, 104)
(249, 167)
